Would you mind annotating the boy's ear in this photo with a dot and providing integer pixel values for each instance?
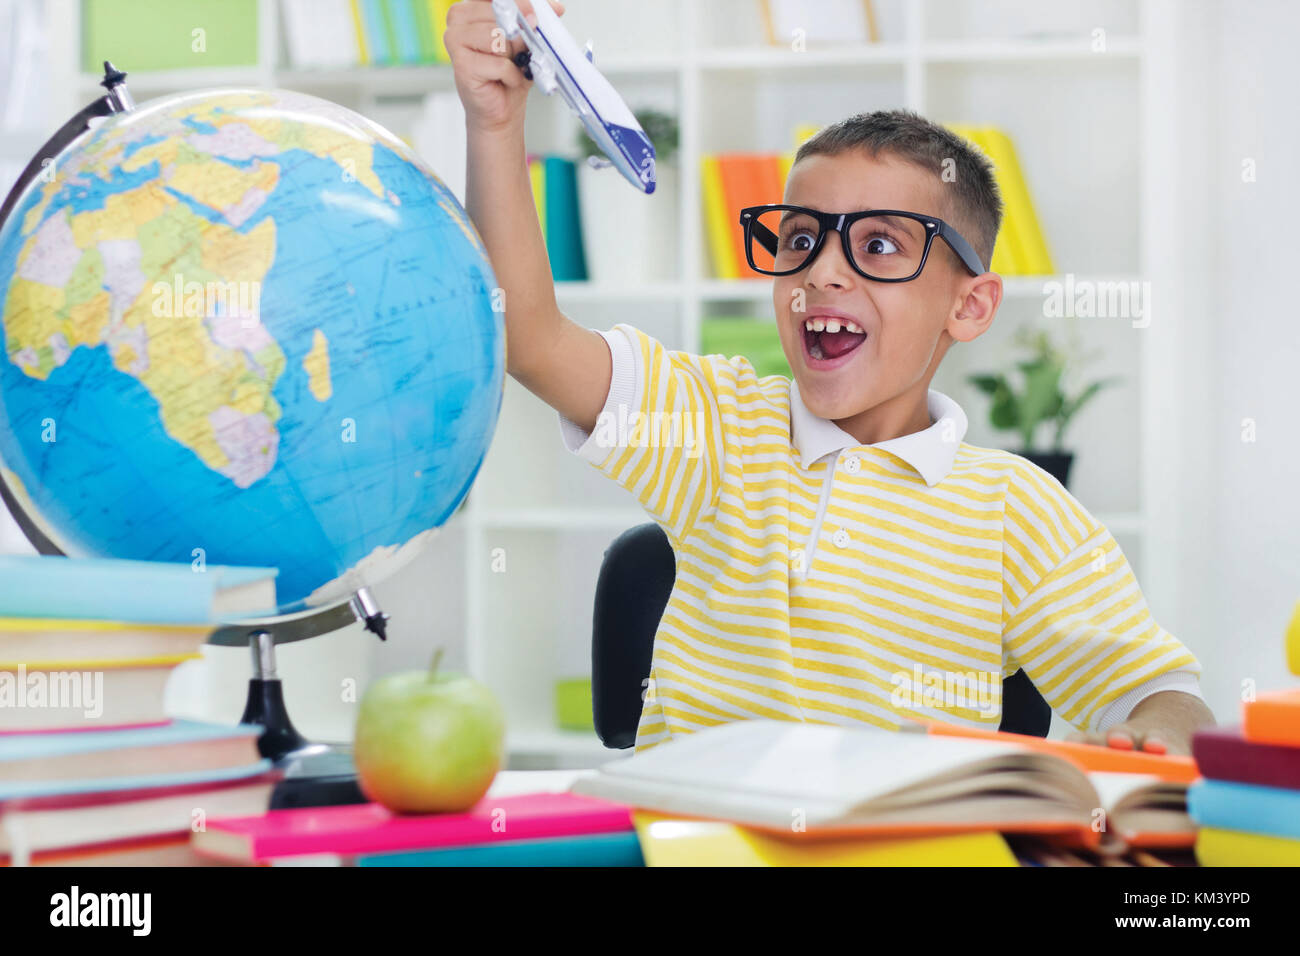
(973, 313)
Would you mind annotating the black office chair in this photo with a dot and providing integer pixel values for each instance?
(636, 579)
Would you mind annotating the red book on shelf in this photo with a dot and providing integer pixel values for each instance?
(748, 179)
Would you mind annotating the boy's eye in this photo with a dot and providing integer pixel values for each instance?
(800, 240)
(880, 245)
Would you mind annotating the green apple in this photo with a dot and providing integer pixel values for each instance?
(428, 741)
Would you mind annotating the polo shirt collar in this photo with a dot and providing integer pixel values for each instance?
(930, 451)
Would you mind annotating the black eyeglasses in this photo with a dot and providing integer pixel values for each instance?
(884, 245)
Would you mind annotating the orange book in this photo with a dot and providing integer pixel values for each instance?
(1088, 757)
(1273, 718)
(748, 179)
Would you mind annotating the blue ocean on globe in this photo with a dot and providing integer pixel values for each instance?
(323, 418)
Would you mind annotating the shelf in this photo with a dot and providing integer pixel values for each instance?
(781, 58)
(579, 291)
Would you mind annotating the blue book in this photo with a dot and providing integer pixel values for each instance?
(597, 849)
(406, 31)
(372, 22)
(127, 751)
(143, 592)
(563, 231)
(11, 790)
(1226, 805)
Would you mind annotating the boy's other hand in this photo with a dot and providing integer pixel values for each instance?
(492, 88)
(1161, 724)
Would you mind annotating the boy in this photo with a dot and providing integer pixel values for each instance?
(842, 555)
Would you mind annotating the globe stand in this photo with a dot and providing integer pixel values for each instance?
(314, 774)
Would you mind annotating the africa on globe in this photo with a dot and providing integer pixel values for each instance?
(248, 328)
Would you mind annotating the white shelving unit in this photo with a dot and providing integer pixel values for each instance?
(1092, 131)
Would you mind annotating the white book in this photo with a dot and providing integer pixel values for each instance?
(794, 777)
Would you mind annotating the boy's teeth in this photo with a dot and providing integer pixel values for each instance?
(832, 325)
(818, 325)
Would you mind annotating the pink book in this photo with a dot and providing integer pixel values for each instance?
(370, 828)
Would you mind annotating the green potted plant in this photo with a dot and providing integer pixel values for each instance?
(629, 237)
(1040, 399)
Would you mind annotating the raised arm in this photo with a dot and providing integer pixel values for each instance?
(562, 363)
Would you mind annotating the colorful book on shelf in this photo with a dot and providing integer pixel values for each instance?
(422, 15)
(1223, 753)
(363, 51)
(1219, 847)
(146, 592)
(404, 30)
(54, 644)
(1008, 250)
(748, 179)
(438, 13)
(563, 226)
(87, 695)
(671, 841)
(716, 227)
(1273, 718)
(537, 180)
(70, 814)
(369, 828)
(376, 32)
(1036, 260)
(1245, 806)
(756, 339)
(867, 781)
(593, 849)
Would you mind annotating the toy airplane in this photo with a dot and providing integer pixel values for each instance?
(556, 63)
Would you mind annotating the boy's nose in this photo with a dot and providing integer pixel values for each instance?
(829, 267)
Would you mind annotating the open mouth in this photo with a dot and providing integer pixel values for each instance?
(833, 341)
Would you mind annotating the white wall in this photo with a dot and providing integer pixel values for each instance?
(1241, 573)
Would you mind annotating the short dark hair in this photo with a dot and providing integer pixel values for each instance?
(970, 202)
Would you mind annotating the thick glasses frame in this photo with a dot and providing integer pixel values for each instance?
(841, 221)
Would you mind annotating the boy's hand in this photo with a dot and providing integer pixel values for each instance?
(492, 88)
(1161, 724)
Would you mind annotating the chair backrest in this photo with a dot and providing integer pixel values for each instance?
(632, 590)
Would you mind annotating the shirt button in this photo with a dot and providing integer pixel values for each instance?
(840, 538)
(853, 464)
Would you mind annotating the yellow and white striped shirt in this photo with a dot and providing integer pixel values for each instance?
(821, 579)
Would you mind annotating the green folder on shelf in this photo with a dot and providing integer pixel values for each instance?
(563, 232)
(755, 339)
(168, 34)
(573, 704)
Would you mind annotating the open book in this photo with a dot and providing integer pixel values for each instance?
(817, 779)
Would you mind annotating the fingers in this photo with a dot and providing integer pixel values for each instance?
(472, 26)
(489, 66)
(1124, 737)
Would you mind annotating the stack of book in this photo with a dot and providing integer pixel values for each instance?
(1021, 248)
(1248, 804)
(91, 768)
(555, 194)
(343, 33)
(538, 829)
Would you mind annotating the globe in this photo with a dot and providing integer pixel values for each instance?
(245, 327)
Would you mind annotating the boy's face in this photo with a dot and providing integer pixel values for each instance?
(906, 324)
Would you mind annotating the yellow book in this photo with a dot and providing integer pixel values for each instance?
(717, 228)
(359, 28)
(667, 841)
(40, 643)
(100, 663)
(438, 15)
(1215, 847)
(784, 162)
(1007, 255)
(804, 132)
(537, 177)
(1035, 258)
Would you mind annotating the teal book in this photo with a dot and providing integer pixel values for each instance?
(21, 789)
(405, 34)
(563, 232)
(424, 30)
(372, 22)
(142, 592)
(1225, 805)
(596, 849)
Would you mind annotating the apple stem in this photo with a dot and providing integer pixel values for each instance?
(433, 666)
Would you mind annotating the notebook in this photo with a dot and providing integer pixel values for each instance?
(671, 841)
(1222, 753)
(823, 780)
(55, 644)
(370, 828)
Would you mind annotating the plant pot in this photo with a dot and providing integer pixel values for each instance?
(628, 238)
(1055, 463)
